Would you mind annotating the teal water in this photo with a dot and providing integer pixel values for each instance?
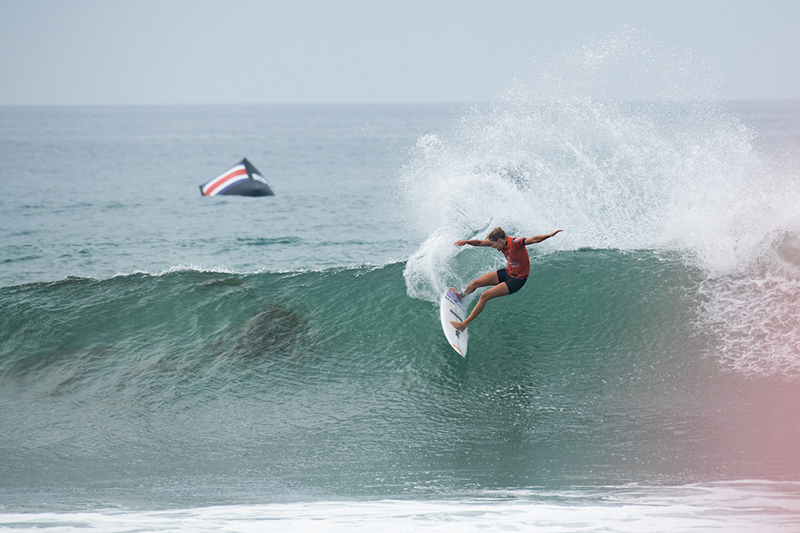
(315, 384)
(256, 358)
(117, 188)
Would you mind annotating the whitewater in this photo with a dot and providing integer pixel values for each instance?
(171, 362)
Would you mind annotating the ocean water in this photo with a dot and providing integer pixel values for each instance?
(172, 362)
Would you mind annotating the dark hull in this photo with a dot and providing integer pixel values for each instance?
(248, 188)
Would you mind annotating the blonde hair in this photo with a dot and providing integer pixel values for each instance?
(496, 234)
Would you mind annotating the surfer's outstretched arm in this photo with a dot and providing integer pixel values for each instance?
(474, 242)
(540, 238)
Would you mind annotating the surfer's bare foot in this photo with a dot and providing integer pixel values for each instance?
(458, 294)
(458, 325)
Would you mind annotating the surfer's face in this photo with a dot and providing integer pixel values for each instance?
(499, 244)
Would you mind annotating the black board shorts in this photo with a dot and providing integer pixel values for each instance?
(513, 284)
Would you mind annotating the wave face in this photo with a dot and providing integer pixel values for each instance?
(316, 384)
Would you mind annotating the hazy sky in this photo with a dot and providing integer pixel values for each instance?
(362, 51)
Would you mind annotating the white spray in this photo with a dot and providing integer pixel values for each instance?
(673, 170)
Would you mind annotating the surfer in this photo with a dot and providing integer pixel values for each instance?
(505, 281)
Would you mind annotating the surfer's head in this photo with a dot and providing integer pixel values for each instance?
(498, 238)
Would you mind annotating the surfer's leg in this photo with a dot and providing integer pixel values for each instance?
(494, 292)
(487, 280)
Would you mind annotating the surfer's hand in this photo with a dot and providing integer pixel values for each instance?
(460, 243)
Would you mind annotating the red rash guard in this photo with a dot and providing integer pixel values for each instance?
(517, 256)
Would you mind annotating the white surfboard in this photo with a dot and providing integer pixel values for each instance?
(453, 309)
